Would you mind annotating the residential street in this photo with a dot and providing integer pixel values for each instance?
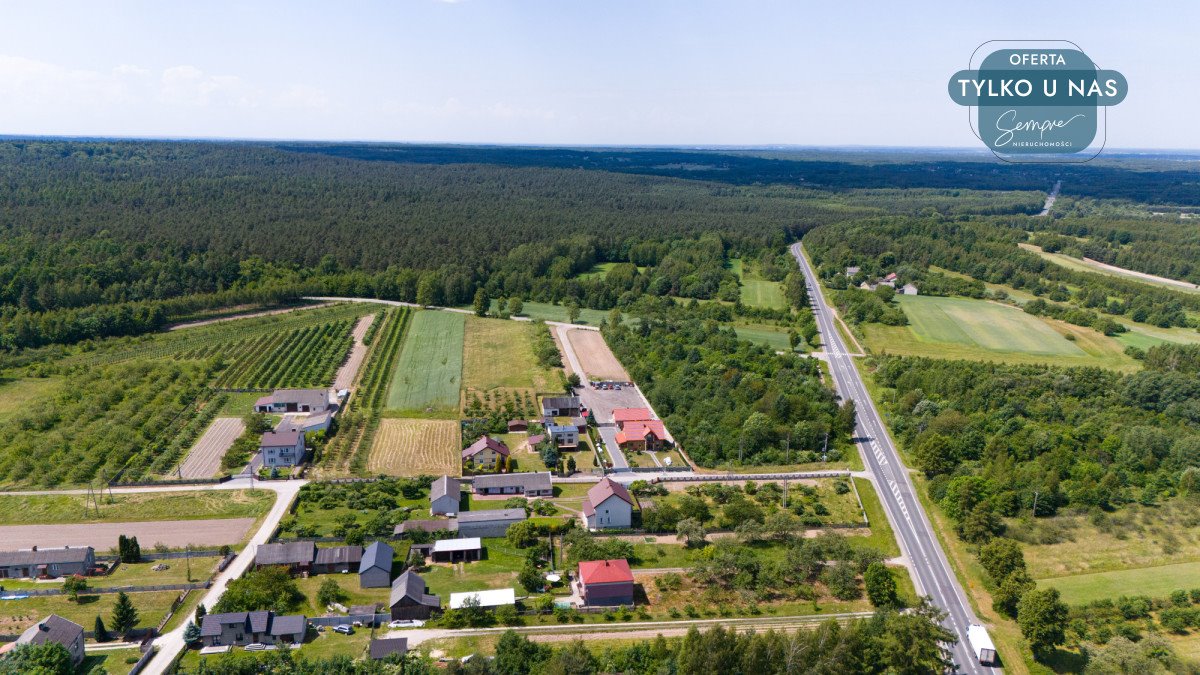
(931, 571)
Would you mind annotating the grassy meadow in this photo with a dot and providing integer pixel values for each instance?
(132, 507)
(429, 372)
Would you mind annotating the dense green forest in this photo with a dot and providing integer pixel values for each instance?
(728, 401)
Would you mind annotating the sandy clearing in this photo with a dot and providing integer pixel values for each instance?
(249, 315)
(349, 370)
(204, 459)
(103, 536)
(596, 359)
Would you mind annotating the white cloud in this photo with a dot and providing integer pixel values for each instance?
(190, 86)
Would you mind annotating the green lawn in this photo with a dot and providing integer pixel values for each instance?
(17, 615)
(601, 270)
(195, 505)
(775, 337)
(353, 595)
(1156, 582)
(429, 371)
(498, 569)
(17, 393)
(757, 291)
(963, 328)
(548, 312)
(113, 661)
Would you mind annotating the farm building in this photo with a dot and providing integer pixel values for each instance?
(623, 415)
(487, 599)
(605, 582)
(642, 435)
(516, 426)
(337, 559)
(381, 648)
(529, 484)
(561, 406)
(281, 448)
(243, 628)
(409, 526)
(375, 569)
(909, 289)
(564, 435)
(54, 628)
(444, 496)
(294, 401)
(410, 599)
(305, 424)
(47, 562)
(485, 452)
(608, 504)
(297, 556)
(456, 550)
(488, 523)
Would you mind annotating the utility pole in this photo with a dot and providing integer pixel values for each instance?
(1035, 498)
(825, 448)
(187, 555)
(787, 448)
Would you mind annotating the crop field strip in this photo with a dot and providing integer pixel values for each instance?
(412, 447)
(428, 374)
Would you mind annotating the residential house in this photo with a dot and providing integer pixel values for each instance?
(294, 401)
(445, 494)
(297, 556)
(54, 628)
(623, 415)
(456, 550)
(561, 406)
(381, 648)
(605, 582)
(244, 628)
(410, 598)
(485, 453)
(608, 504)
(409, 526)
(489, 522)
(337, 559)
(486, 599)
(529, 484)
(47, 562)
(375, 569)
(642, 435)
(281, 448)
(564, 435)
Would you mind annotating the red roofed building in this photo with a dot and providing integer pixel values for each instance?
(642, 435)
(623, 415)
(608, 504)
(605, 582)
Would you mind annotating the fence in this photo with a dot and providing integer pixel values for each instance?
(34, 593)
(172, 555)
(175, 605)
(755, 476)
(366, 619)
(658, 469)
(172, 481)
(146, 656)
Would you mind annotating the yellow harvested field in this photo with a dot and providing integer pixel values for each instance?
(413, 447)
(596, 359)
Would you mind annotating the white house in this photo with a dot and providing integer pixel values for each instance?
(608, 504)
(281, 448)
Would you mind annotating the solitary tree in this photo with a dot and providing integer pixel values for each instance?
(881, 585)
(329, 592)
(200, 612)
(100, 631)
(125, 615)
(481, 303)
(690, 531)
(573, 311)
(74, 585)
(1042, 616)
(191, 634)
(515, 306)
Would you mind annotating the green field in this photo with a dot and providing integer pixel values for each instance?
(962, 328)
(757, 291)
(17, 393)
(429, 371)
(775, 337)
(131, 507)
(545, 311)
(1156, 582)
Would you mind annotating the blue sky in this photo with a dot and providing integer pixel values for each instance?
(564, 72)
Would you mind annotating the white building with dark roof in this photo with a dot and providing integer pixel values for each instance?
(445, 495)
(58, 630)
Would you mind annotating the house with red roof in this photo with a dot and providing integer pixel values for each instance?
(605, 582)
(623, 415)
(642, 435)
(485, 453)
(608, 505)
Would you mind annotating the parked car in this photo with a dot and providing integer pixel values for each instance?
(344, 629)
(412, 623)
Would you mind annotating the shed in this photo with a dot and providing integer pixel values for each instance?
(381, 648)
(488, 523)
(410, 599)
(375, 570)
(444, 496)
(337, 559)
(457, 550)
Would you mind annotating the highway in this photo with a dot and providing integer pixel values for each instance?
(931, 571)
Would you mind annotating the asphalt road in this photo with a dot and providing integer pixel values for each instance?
(929, 565)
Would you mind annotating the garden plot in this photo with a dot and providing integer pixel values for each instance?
(416, 447)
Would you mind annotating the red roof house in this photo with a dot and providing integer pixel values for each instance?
(642, 435)
(606, 582)
(623, 415)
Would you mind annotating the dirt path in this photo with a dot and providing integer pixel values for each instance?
(349, 370)
(103, 536)
(248, 315)
(204, 459)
